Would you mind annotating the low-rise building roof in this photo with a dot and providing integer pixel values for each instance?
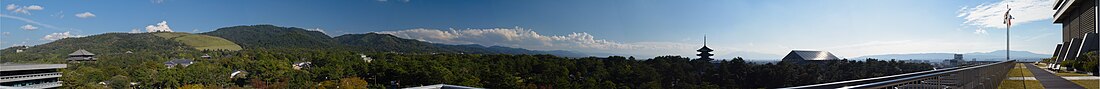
(81, 52)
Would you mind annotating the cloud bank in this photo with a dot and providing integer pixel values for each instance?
(24, 9)
(85, 15)
(29, 27)
(318, 30)
(991, 15)
(529, 39)
(159, 27)
(56, 36)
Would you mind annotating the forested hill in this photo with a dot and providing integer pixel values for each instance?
(275, 37)
(389, 43)
(102, 44)
(250, 37)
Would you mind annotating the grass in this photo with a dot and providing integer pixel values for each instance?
(1090, 84)
(169, 34)
(201, 42)
(1020, 71)
(1070, 74)
(1020, 84)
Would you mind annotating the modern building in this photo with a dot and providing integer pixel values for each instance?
(1078, 19)
(807, 56)
(81, 56)
(956, 61)
(31, 76)
(178, 62)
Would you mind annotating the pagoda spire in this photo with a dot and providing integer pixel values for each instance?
(704, 53)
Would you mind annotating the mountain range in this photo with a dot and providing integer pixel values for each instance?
(994, 55)
(253, 37)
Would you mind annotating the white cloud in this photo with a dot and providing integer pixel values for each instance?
(529, 39)
(158, 1)
(34, 7)
(11, 7)
(25, 9)
(59, 14)
(991, 15)
(37, 23)
(159, 27)
(135, 30)
(319, 30)
(56, 36)
(7, 33)
(85, 15)
(980, 31)
(29, 27)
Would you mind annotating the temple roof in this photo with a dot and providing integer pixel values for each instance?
(81, 52)
(810, 55)
(704, 49)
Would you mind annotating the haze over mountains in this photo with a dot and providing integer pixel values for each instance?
(994, 55)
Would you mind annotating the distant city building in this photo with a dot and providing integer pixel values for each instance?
(365, 58)
(206, 56)
(1078, 19)
(957, 61)
(300, 65)
(81, 56)
(704, 53)
(178, 62)
(31, 76)
(21, 49)
(239, 73)
(806, 56)
(915, 61)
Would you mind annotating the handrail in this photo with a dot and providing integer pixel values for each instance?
(916, 78)
(861, 81)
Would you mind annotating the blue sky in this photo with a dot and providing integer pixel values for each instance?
(848, 28)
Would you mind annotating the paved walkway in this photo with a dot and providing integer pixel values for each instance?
(1051, 81)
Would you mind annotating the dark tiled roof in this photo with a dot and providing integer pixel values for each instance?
(810, 55)
(704, 49)
(81, 52)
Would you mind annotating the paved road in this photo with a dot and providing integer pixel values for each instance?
(1051, 81)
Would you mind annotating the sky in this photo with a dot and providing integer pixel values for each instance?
(646, 28)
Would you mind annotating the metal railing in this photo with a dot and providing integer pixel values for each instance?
(978, 76)
(29, 76)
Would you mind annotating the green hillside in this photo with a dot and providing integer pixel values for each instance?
(201, 42)
(272, 37)
(108, 44)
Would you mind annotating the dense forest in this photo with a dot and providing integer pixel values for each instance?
(383, 61)
(273, 69)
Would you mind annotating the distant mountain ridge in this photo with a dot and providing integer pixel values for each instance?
(255, 37)
(270, 36)
(994, 55)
